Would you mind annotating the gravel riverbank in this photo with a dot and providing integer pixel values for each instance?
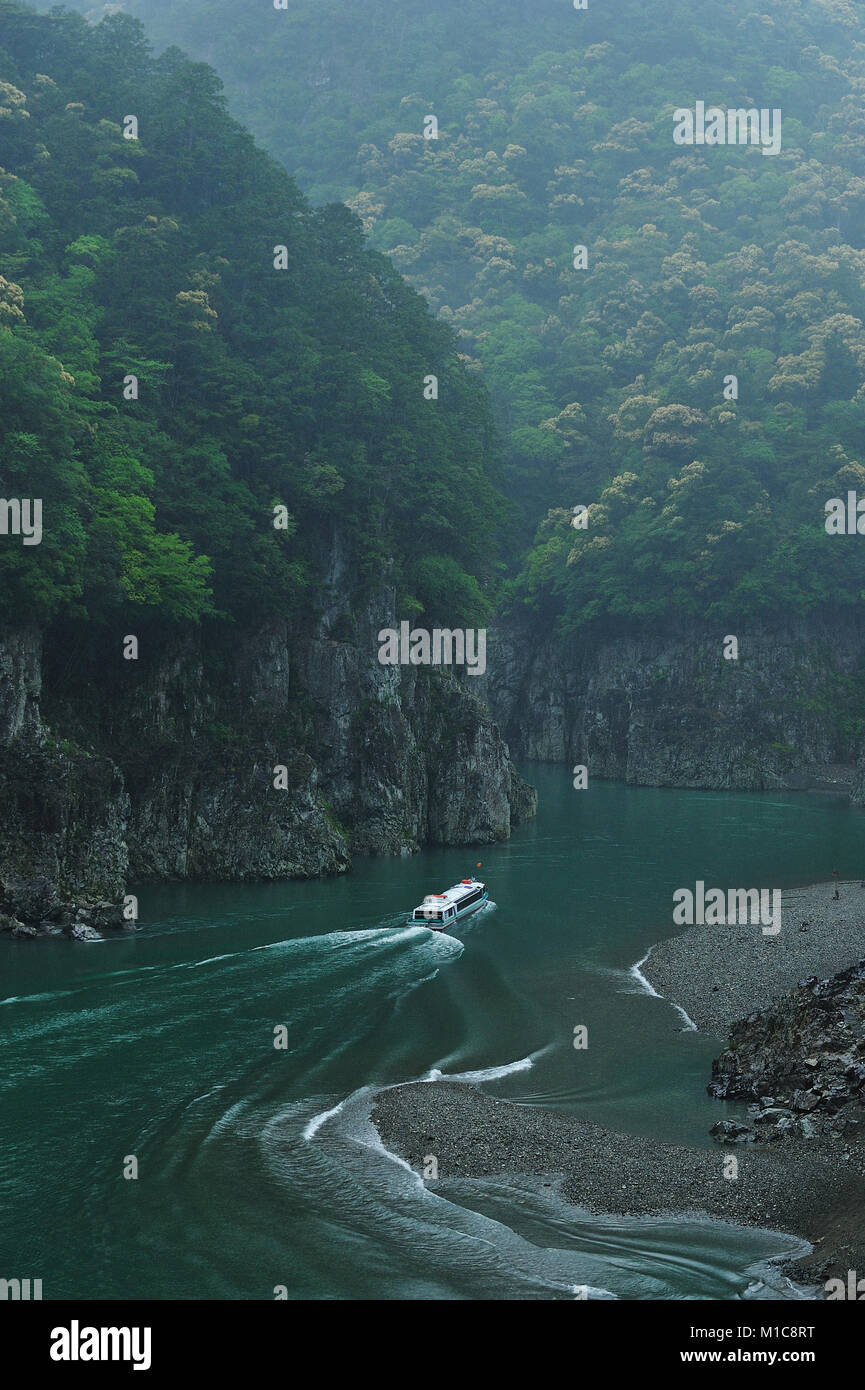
(474, 1135)
(720, 974)
(717, 975)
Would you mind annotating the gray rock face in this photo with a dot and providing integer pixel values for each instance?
(729, 1132)
(20, 685)
(277, 756)
(806, 1053)
(63, 809)
(82, 932)
(664, 707)
(377, 759)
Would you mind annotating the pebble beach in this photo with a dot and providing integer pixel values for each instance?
(717, 975)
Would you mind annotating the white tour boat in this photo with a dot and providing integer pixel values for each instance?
(441, 910)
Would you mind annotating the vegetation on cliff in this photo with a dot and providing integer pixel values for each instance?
(555, 130)
(255, 387)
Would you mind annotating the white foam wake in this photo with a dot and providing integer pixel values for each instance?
(646, 987)
(690, 1025)
(484, 1074)
(312, 1126)
(637, 975)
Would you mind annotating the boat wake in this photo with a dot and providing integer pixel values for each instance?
(475, 1078)
(518, 1236)
(460, 1243)
(645, 986)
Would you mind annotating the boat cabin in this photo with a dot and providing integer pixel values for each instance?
(453, 903)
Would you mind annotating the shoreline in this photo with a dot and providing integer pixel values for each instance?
(713, 976)
(720, 974)
(473, 1135)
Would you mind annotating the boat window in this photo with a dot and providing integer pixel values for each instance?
(427, 913)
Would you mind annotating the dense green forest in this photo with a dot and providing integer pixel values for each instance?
(555, 130)
(258, 388)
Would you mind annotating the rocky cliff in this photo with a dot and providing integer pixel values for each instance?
(801, 1061)
(63, 812)
(164, 767)
(663, 707)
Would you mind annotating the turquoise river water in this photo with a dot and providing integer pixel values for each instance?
(258, 1167)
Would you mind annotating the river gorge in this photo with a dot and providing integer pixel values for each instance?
(258, 1167)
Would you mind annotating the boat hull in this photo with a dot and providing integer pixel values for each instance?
(452, 921)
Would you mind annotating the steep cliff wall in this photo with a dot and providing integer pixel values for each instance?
(377, 759)
(164, 767)
(63, 812)
(665, 708)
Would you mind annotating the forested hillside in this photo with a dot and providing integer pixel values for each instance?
(555, 130)
(219, 399)
(257, 388)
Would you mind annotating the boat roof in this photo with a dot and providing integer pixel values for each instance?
(450, 895)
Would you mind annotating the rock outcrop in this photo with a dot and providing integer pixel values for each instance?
(63, 812)
(277, 754)
(663, 707)
(801, 1062)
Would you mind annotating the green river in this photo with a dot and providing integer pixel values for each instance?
(258, 1168)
